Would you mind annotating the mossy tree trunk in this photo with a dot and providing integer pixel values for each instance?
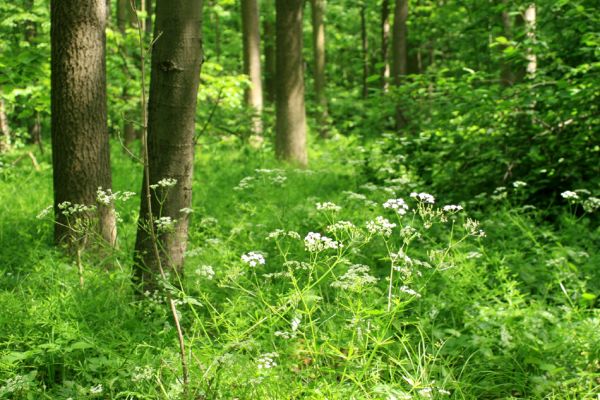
(290, 140)
(176, 63)
(80, 148)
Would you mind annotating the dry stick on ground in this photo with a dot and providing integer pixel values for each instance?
(154, 239)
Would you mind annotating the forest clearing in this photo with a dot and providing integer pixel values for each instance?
(290, 199)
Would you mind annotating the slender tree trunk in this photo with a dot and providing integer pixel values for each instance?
(318, 25)
(80, 148)
(176, 63)
(148, 23)
(530, 21)
(364, 40)
(251, 39)
(385, 40)
(290, 140)
(217, 26)
(5, 135)
(507, 74)
(269, 49)
(400, 51)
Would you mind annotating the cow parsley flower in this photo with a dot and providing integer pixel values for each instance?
(164, 183)
(355, 278)
(380, 226)
(96, 389)
(44, 212)
(205, 271)
(340, 226)
(398, 205)
(569, 195)
(267, 361)
(452, 208)
(253, 258)
(106, 197)
(591, 204)
(423, 197)
(519, 184)
(315, 242)
(410, 291)
(328, 206)
(164, 224)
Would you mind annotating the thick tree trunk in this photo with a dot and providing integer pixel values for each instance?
(364, 40)
(530, 21)
(176, 62)
(385, 40)
(290, 140)
(400, 51)
(80, 148)
(251, 40)
(269, 49)
(318, 25)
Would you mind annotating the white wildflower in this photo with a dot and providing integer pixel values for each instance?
(355, 278)
(354, 196)
(340, 226)
(267, 361)
(253, 258)
(127, 195)
(245, 183)
(328, 206)
(452, 208)
(106, 197)
(186, 210)
(380, 226)
(569, 195)
(164, 224)
(591, 204)
(142, 374)
(423, 197)
(96, 389)
(205, 271)
(410, 291)
(315, 242)
(519, 184)
(278, 180)
(426, 392)
(398, 205)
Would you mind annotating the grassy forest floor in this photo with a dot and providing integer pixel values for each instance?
(506, 308)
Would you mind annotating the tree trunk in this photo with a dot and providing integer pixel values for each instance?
(251, 39)
(290, 140)
(364, 40)
(269, 49)
(507, 74)
(176, 63)
(80, 148)
(5, 138)
(385, 40)
(148, 24)
(530, 21)
(400, 51)
(318, 12)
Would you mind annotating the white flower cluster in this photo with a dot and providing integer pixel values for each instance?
(108, 197)
(205, 271)
(328, 206)
(245, 183)
(294, 325)
(409, 291)
(164, 183)
(340, 226)
(519, 184)
(452, 208)
(398, 205)
(355, 278)
(423, 197)
(279, 233)
(354, 196)
(569, 195)
(96, 389)
(267, 360)
(315, 242)
(591, 204)
(142, 374)
(67, 208)
(380, 226)
(164, 224)
(472, 226)
(186, 210)
(44, 212)
(253, 258)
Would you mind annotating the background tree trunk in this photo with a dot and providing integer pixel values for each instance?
(80, 148)
(385, 40)
(290, 140)
(318, 25)
(251, 39)
(400, 51)
(364, 40)
(5, 138)
(530, 20)
(176, 63)
(269, 50)
(507, 74)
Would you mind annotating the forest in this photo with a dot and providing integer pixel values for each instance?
(299, 199)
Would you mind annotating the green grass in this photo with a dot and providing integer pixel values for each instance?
(511, 315)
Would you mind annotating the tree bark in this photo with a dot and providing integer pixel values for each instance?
(385, 40)
(400, 51)
(508, 76)
(530, 21)
(269, 50)
(80, 148)
(251, 40)
(175, 76)
(5, 135)
(364, 40)
(290, 140)
(318, 25)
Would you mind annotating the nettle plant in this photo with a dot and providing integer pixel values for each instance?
(368, 275)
